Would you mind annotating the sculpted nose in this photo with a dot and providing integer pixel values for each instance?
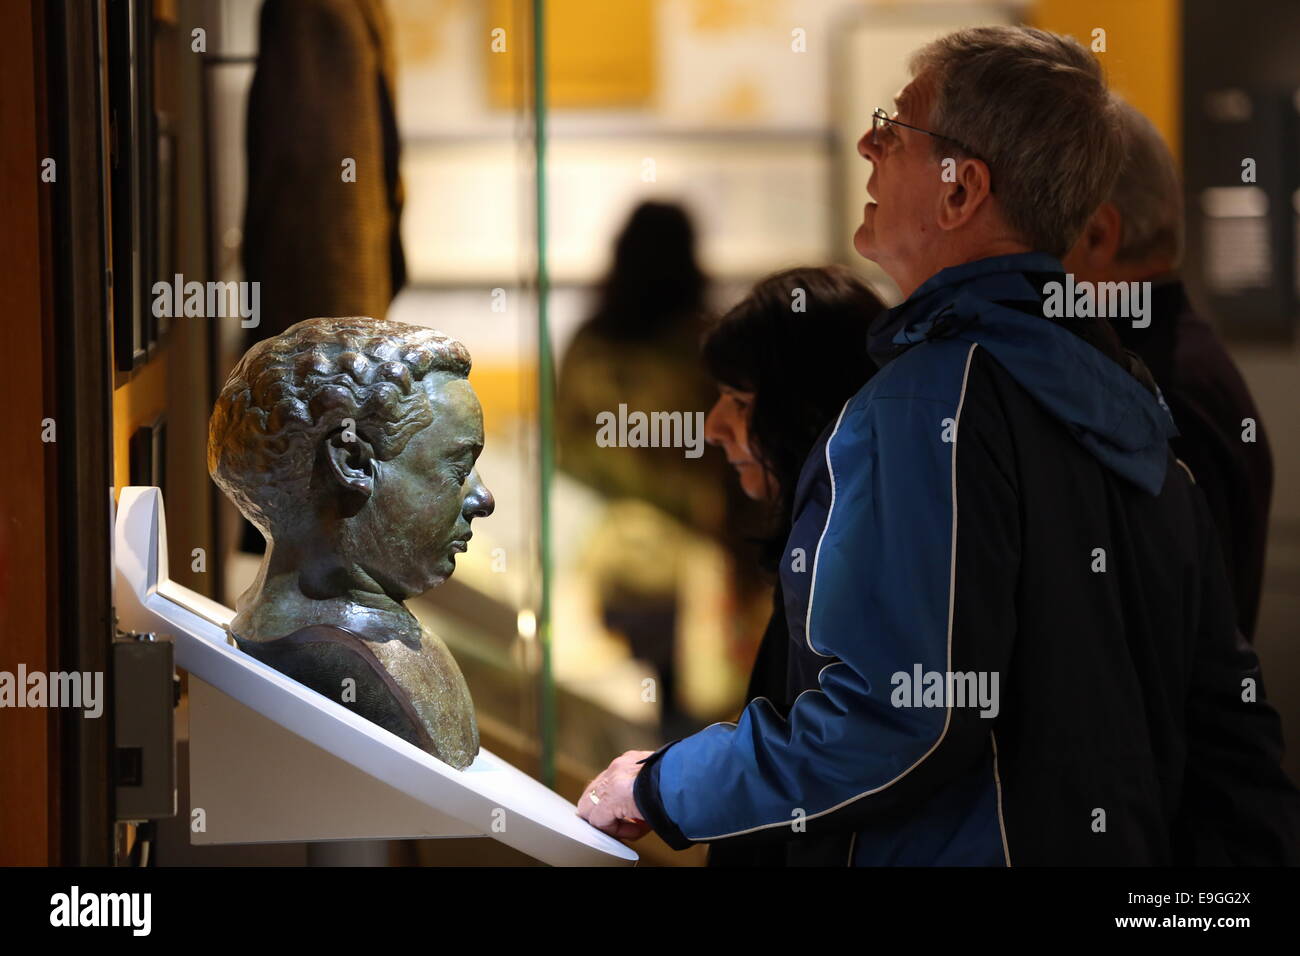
(479, 503)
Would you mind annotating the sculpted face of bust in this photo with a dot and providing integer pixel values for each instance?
(352, 444)
(403, 521)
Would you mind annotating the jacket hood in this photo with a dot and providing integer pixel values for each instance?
(997, 303)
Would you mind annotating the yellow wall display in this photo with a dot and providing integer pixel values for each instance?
(1142, 56)
(598, 53)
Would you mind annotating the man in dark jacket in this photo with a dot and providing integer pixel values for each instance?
(1137, 235)
(1003, 590)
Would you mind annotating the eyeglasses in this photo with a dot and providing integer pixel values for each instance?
(880, 118)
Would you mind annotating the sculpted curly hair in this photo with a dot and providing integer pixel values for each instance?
(290, 391)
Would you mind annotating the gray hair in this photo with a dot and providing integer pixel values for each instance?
(1035, 107)
(290, 391)
(1147, 193)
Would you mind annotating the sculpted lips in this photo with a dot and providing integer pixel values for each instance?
(462, 543)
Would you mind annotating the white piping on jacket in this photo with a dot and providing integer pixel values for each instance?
(817, 552)
(997, 781)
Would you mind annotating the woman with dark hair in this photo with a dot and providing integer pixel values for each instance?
(785, 360)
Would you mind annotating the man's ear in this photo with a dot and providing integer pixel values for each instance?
(1094, 251)
(966, 185)
(350, 461)
(1105, 232)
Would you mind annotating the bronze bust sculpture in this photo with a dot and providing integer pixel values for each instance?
(351, 444)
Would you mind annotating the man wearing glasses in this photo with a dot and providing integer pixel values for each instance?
(1023, 635)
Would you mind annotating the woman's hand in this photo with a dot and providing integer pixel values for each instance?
(607, 802)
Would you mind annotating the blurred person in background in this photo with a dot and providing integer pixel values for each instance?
(637, 348)
(1137, 236)
(640, 348)
(785, 360)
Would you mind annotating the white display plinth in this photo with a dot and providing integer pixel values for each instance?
(273, 761)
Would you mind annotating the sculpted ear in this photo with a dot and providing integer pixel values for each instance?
(350, 462)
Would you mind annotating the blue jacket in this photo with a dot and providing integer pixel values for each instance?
(1013, 619)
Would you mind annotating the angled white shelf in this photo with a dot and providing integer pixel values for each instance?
(272, 761)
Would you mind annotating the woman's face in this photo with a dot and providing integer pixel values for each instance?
(727, 425)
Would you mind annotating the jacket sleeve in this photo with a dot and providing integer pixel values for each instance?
(1238, 806)
(900, 587)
